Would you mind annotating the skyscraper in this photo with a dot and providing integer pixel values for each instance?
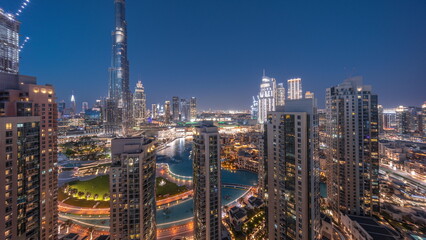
(20, 178)
(292, 171)
(380, 112)
(192, 109)
(267, 97)
(389, 119)
(295, 89)
(9, 43)
(167, 112)
(73, 105)
(61, 108)
(207, 183)
(119, 89)
(175, 108)
(352, 148)
(254, 108)
(21, 99)
(154, 111)
(280, 94)
(132, 184)
(403, 120)
(24, 98)
(183, 110)
(84, 106)
(139, 104)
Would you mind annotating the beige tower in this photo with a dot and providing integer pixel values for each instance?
(132, 184)
(207, 183)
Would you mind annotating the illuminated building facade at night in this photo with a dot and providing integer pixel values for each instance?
(9, 43)
(119, 90)
(139, 104)
(294, 89)
(292, 171)
(267, 97)
(352, 148)
(207, 183)
(132, 184)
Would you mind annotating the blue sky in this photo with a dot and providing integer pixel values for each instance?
(216, 49)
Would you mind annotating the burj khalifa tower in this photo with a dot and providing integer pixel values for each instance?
(119, 105)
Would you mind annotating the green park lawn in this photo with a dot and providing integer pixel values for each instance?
(169, 188)
(98, 185)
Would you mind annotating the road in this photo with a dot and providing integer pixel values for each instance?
(417, 182)
(185, 230)
(65, 208)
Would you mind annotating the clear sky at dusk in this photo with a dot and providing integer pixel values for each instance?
(215, 50)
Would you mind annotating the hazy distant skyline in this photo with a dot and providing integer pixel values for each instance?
(216, 50)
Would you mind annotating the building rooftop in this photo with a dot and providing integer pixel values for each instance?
(256, 202)
(237, 213)
(373, 228)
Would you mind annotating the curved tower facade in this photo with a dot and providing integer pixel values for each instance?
(119, 91)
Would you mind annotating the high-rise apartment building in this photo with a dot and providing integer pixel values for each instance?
(119, 88)
(207, 183)
(192, 109)
(380, 111)
(294, 89)
(20, 96)
(183, 110)
(267, 98)
(20, 179)
(139, 104)
(352, 148)
(389, 119)
(292, 171)
(175, 108)
(154, 111)
(403, 120)
(280, 94)
(132, 186)
(167, 112)
(9, 43)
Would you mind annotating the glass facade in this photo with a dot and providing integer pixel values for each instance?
(9, 43)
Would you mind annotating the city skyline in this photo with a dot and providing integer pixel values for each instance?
(322, 55)
(132, 166)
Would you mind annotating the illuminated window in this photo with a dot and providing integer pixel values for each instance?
(8, 126)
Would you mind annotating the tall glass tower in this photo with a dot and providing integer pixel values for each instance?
(119, 90)
(9, 43)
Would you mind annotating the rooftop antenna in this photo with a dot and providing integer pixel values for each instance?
(23, 43)
(264, 72)
(24, 4)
